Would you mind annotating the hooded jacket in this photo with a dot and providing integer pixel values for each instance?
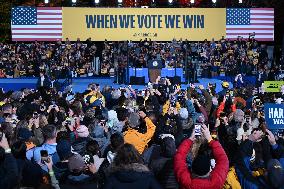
(163, 166)
(131, 176)
(140, 140)
(216, 178)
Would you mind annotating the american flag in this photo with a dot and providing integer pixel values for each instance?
(245, 21)
(36, 23)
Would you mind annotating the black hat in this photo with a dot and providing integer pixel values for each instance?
(168, 147)
(24, 134)
(201, 165)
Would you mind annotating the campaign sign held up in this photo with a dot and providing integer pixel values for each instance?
(274, 115)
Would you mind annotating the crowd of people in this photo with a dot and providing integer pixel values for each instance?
(86, 58)
(158, 137)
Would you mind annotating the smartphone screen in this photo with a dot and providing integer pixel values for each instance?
(197, 129)
(44, 156)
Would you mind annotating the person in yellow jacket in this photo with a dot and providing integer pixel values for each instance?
(133, 136)
(93, 94)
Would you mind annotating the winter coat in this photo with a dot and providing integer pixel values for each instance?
(31, 173)
(140, 140)
(8, 172)
(216, 178)
(163, 165)
(82, 181)
(79, 145)
(133, 176)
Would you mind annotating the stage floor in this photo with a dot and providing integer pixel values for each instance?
(80, 84)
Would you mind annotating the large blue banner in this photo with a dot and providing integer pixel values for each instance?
(274, 115)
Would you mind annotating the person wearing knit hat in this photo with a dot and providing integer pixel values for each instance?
(76, 163)
(134, 120)
(82, 131)
(133, 136)
(199, 176)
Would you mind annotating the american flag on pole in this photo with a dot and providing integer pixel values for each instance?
(36, 23)
(245, 21)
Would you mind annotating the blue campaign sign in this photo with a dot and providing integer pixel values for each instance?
(274, 115)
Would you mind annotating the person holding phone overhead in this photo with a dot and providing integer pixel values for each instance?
(201, 175)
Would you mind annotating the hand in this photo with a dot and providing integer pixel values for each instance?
(158, 78)
(192, 136)
(192, 86)
(271, 137)
(4, 142)
(49, 164)
(201, 87)
(206, 132)
(142, 114)
(56, 108)
(217, 123)
(36, 122)
(92, 168)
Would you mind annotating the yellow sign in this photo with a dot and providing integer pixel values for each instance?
(159, 24)
(273, 86)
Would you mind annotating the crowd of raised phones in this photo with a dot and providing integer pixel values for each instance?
(159, 137)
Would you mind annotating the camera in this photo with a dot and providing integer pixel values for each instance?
(35, 115)
(247, 118)
(88, 159)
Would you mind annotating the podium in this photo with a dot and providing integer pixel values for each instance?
(154, 67)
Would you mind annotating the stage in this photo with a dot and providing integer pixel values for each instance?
(80, 84)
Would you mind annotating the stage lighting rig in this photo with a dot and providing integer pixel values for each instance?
(97, 2)
(46, 1)
(74, 2)
(192, 1)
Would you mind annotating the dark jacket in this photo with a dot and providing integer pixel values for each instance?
(79, 145)
(61, 171)
(133, 176)
(163, 166)
(46, 82)
(81, 181)
(31, 173)
(8, 172)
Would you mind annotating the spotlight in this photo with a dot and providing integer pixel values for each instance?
(240, 1)
(74, 1)
(214, 1)
(119, 1)
(170, 1)
(46, 1)
(97, 2)
(192, 1)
